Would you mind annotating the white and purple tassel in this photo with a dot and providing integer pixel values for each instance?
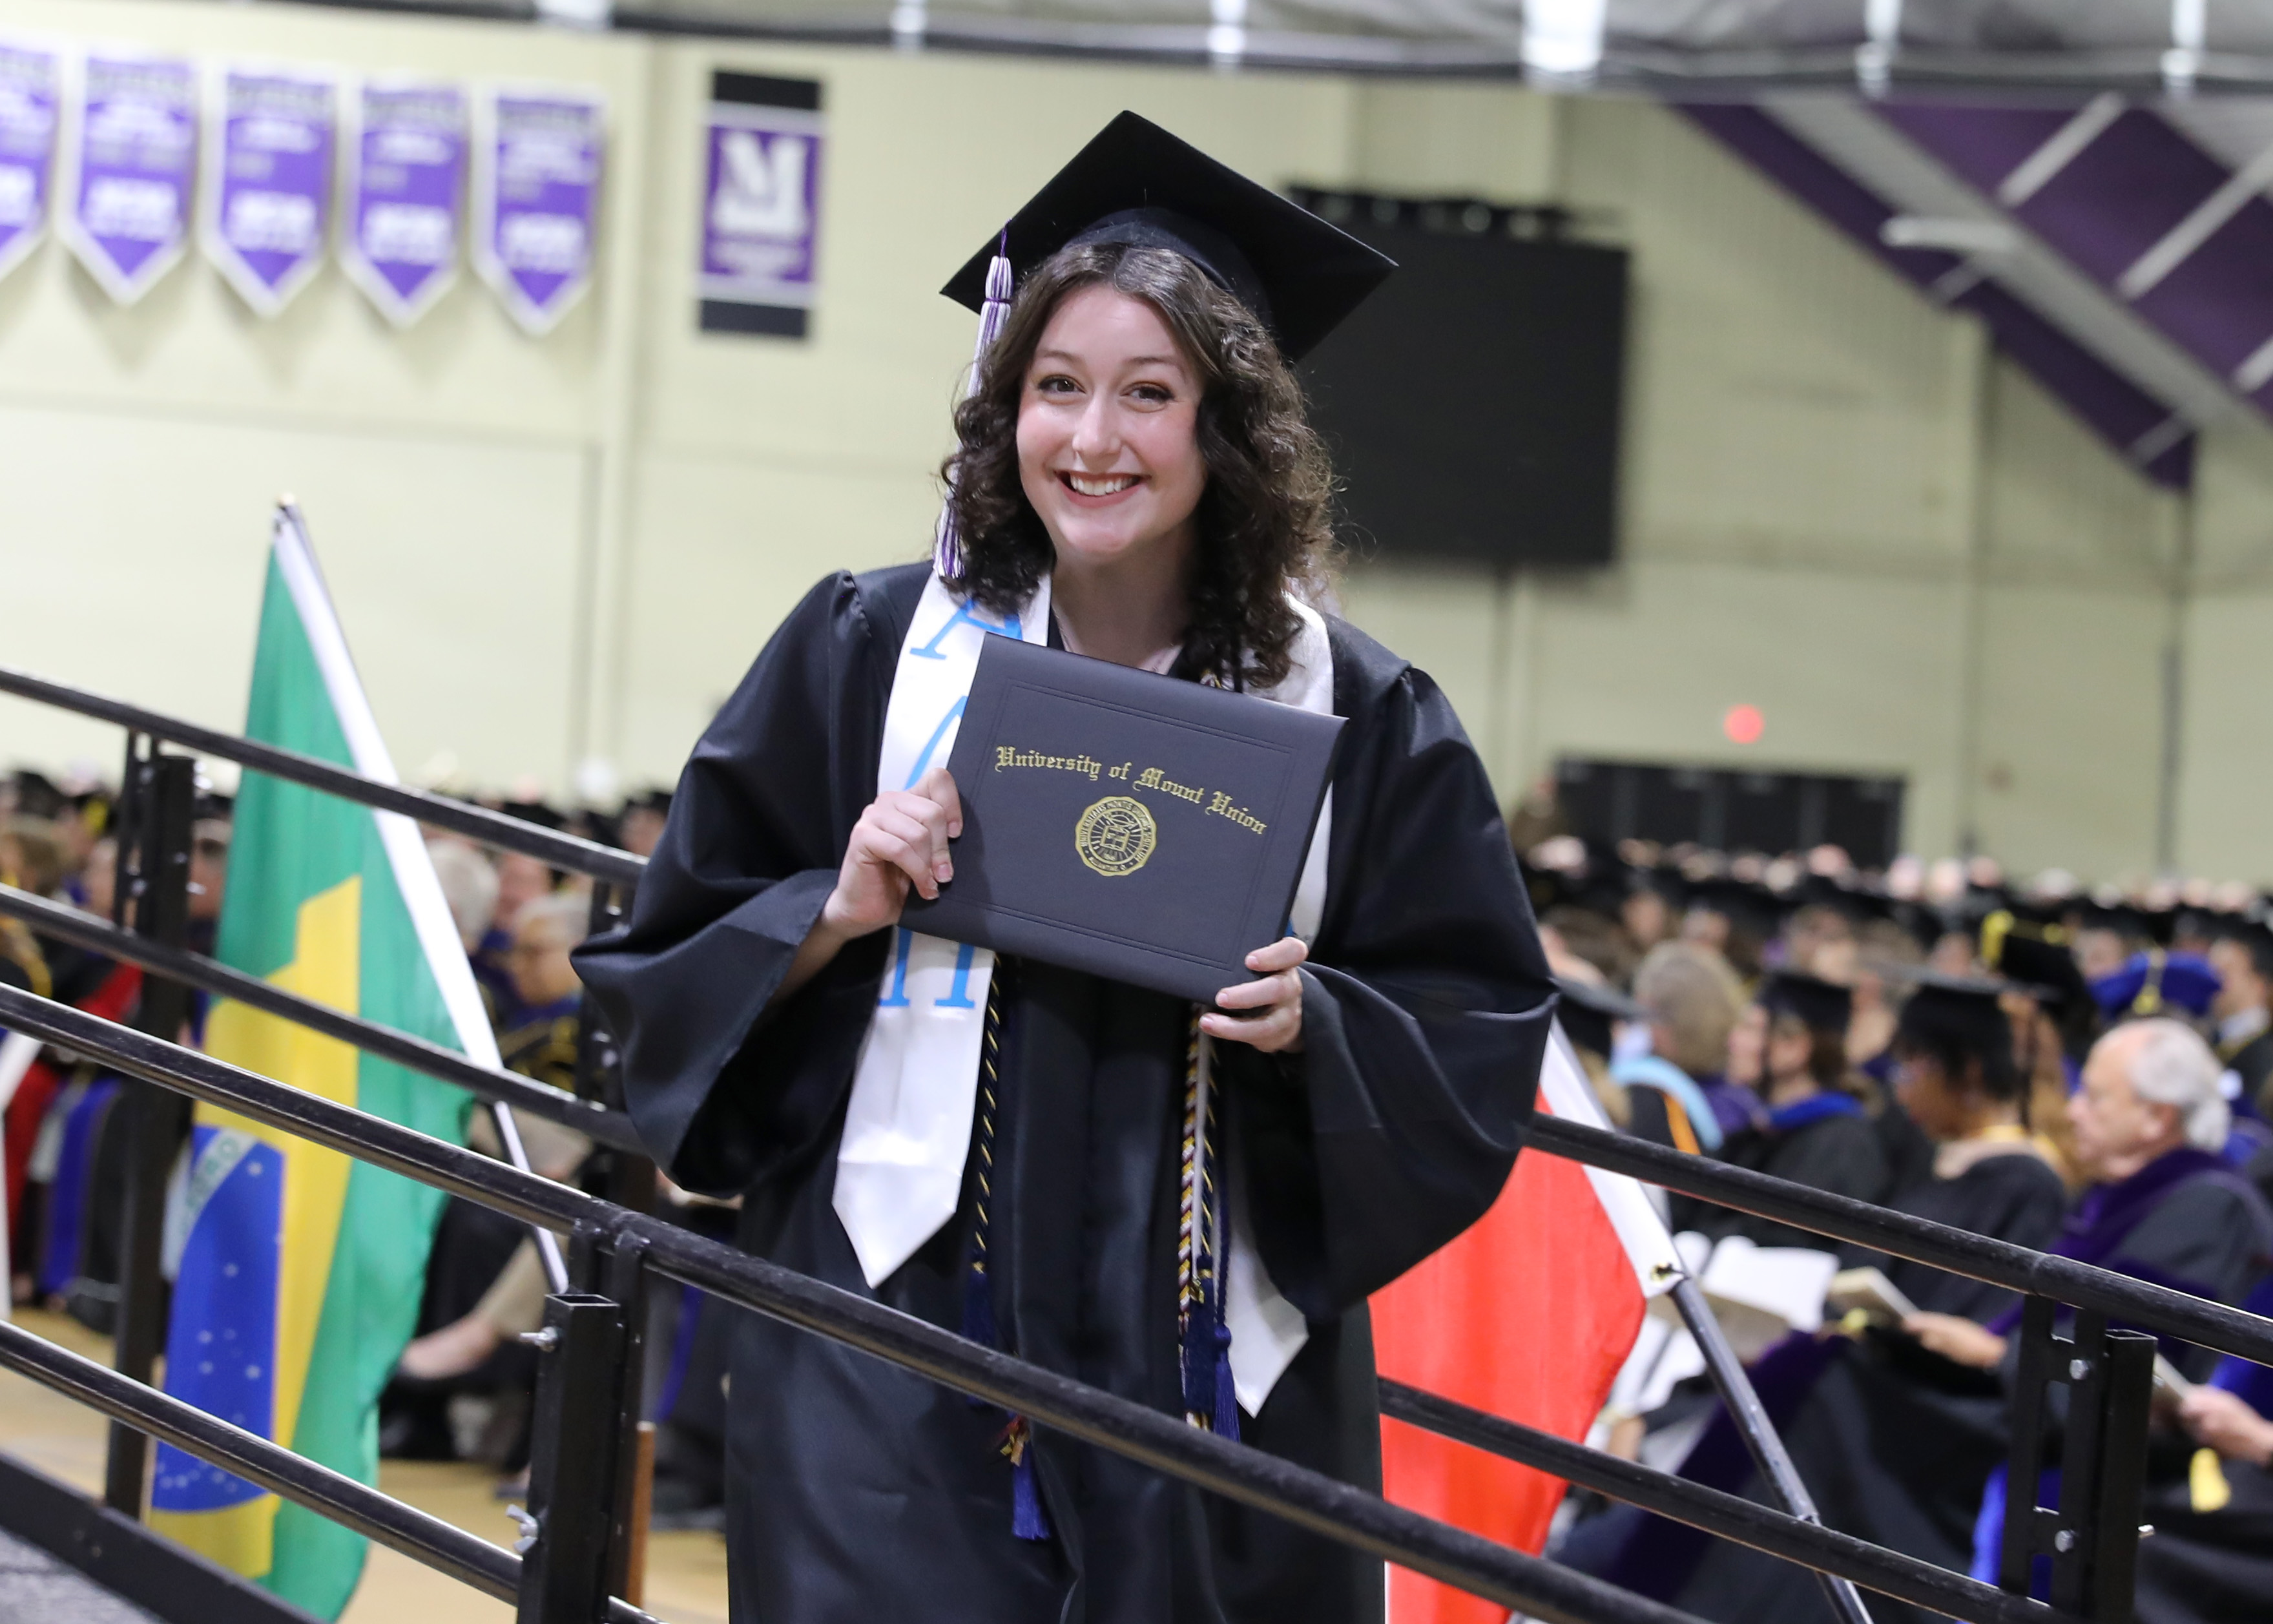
(947, 546)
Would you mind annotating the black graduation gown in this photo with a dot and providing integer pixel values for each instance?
(1844, 1154)
(859, 1491)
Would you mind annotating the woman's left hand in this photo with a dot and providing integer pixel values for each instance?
(1266, 1014)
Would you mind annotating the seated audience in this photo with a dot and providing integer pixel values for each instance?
(2164, 1205)
(2211, 1560)
(1791, 1044)
(1893, 1441)
(544, 1047)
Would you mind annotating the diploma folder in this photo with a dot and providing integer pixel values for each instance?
(1114, 821)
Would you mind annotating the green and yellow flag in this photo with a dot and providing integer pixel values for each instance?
(302, 1268)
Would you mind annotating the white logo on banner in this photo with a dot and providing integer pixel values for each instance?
(19, 195)
(762, 191)
(408, 234)
(141, 211)
(550, 243)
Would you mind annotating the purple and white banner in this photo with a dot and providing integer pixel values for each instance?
(31, 96)
(269, 157)
(406, 155)
(134, 169)
(536, 199)
(761, 204)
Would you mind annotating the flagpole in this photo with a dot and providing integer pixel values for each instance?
(548, 1244)
(1759, 1433)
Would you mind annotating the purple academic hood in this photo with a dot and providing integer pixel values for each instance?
(2123, 256)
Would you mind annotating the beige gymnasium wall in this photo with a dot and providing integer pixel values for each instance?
(1839, 506)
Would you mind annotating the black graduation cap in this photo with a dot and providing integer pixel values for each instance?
(2037, 957)
(1135, 184)
(36, 794)
(1589, 1013)
(1752, 910)
(1967, 1007)
(1823, 1005)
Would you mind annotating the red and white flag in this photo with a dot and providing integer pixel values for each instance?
(1529, 1316)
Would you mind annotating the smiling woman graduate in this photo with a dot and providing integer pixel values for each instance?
(1012, 1149)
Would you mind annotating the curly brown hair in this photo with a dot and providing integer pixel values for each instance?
(1263, 517)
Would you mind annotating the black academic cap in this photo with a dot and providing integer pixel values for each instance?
(36, 794)
(533, 812)
(1589, 1013)
(1753, 910)
(1137, 184)
(2037, 958)
(1965, 1009)
(1822, 1004)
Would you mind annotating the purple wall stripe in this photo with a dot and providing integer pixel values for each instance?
(2122, 194)
(2122, 416)
(2114, 201)
(1983, 143)
(2108, 401)
(2218, 304)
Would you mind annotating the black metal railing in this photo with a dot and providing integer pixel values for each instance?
(64, 923)
(1164, 1442)
(616, 1245)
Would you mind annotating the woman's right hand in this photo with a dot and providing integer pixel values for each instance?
(901, 840)
(1956, 1338)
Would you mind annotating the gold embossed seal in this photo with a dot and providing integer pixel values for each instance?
(1115, 836)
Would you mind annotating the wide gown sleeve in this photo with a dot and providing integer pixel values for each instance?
(1425, 1013)
(756, 833)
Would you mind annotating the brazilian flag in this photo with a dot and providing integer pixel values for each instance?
(302, 1268)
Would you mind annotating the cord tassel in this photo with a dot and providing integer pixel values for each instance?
(1227, 1390)
(1028, 1520)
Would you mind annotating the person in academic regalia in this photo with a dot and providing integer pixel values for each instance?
(1691, 1000)
(1593, 1017)
(1894, 1442)
(1135, 481)
(1793, 1038)
(2211, 1560)
(2163, 1206)
(2243, 957)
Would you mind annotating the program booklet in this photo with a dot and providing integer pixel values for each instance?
(1868, 1292)
(1126, 824)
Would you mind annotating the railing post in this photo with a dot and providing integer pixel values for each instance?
(2092, 1539)
(572, 1466)
(157, 870)
(613, 1265)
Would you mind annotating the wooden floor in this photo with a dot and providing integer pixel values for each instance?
(687, 1573)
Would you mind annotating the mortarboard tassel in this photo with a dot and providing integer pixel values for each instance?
(947, 547)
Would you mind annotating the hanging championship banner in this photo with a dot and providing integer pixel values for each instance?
(126, 209)
(761, 204)
(537, 194)
(406, 155)
(269, 181)
(31, 94)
